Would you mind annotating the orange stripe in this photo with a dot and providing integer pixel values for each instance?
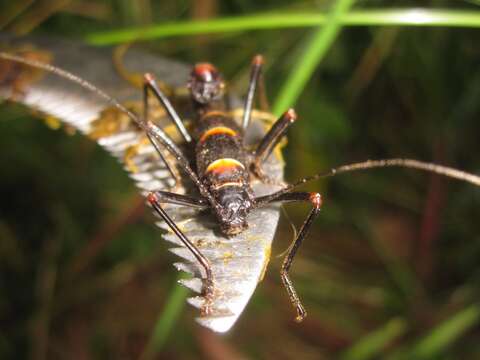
(221, 165)
(216, 131)
(231, 183)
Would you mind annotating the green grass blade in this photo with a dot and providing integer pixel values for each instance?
(316, 49)
(373, 344)
(391, 17)
(166, 321)
(446, 333)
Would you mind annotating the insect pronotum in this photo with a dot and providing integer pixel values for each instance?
(223, 167)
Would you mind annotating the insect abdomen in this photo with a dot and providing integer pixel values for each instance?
(221, 157)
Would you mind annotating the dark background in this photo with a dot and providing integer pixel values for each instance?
(391, 269)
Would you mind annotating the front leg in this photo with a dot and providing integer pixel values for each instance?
(170, 167)
(179, 199)
(163, 196)
(316, 200)
(158, 135)
(151, 84)
(255, 76)
(269, 141)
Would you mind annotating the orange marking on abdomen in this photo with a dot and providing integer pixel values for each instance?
(216, 131)
(230, 183)
(221, 165)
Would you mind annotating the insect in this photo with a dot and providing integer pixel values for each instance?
(222, 168)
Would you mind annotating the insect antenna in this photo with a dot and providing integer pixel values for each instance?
(371, 164)
(74, 78)
(147, 126)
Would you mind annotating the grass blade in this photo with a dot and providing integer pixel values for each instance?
(166, 321)
(373, 344)
(391, 17)
(446, 333)
(316, 49)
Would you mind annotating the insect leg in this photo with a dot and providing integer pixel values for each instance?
(316, 200)
(149, 127)
(271, 139)
(262, 94)
(151, 84)
(203, 261)
(255, 74)
(180, 199)
(174, 173)
(158, 134)
(155, 132)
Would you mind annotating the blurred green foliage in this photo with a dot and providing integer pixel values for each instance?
(392, 268)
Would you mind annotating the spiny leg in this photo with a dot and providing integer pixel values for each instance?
(262, 94)
(255, 75)
(273, 136)
(316, 200)
(149, 127)
(158, 134)
(270, 140)
(173, 172)
(180, 199)
(208, 285)
(151, 84)
(160, 151)
(155, 132)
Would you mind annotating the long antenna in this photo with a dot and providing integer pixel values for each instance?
(407, 163)
(148, 127)
(72, 77)
(370, 164)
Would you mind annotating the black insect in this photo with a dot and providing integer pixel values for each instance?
(222, 168)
